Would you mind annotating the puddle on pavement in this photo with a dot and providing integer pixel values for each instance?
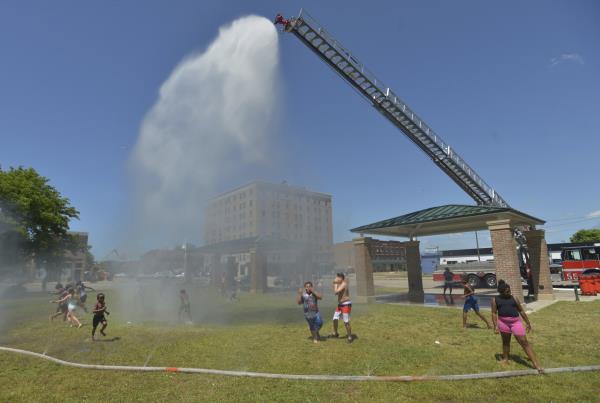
(432, 300)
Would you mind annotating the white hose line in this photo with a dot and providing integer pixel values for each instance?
(394, 378)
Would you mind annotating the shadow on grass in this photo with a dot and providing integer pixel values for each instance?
(322, 338)
(475, 326)
(340, 337)
(106, 340)
(515, 358)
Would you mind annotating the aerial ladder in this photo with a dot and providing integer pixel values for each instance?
(345, 64)
(390, 105)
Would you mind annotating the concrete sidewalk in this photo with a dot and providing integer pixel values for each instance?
(560, 294)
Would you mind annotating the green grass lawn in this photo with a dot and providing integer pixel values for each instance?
(267, 333)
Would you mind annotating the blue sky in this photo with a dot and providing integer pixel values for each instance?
(513, 86)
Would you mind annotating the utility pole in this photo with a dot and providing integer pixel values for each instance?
(477, 241)
(186, 273)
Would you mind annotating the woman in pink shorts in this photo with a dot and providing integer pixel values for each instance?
(506, 310)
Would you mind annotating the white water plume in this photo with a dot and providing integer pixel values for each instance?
(213, 119)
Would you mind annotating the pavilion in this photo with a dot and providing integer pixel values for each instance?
(453, 218)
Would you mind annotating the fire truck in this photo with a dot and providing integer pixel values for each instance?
(477, 273)
(575, 260)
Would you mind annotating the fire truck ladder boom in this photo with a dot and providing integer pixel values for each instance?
(314, 36)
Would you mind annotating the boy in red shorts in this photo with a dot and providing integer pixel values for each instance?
(340, 288)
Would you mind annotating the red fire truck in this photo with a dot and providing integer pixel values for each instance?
(579, 258)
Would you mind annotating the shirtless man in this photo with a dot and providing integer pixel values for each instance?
(340, 288)
(471, 303)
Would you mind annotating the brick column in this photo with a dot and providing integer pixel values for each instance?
(538, 255)
(363, 267)
(414, 271)
(258, 271)
(505, 255)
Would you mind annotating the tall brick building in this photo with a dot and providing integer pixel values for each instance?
(275, 211)
(264, 229)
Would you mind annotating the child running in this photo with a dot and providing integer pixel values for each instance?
(99, 311)
(309, 298)
(505, 316)
(69, 300)
(340, 288)
(471, 303)
(82, 294)
(184, 306)
(61, 308)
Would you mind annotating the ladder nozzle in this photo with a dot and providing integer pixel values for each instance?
(279, 19)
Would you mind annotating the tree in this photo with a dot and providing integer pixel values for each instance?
(586, 235)
(90, 261)
(37, 213)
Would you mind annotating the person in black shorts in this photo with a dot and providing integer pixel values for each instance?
(448, 280)
(62, 307)
(99, 311)
(81, 290)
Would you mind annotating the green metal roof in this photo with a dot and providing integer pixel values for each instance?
(447, 213)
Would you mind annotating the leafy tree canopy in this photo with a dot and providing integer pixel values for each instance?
(30, 206)
(586, 235)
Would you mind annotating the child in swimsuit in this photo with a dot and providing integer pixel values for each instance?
(69, 300)
(471, 303)
(99, 312)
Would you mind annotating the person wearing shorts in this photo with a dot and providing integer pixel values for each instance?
(61, 308)
(448, 280)
(81, 289)
(69, 300)
(340, 289)
(506, 310)
(309, 297)
(99, 312)
(471, 303)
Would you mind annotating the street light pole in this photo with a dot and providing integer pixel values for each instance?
(185, 263)
(477, 241)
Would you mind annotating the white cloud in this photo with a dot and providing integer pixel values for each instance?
(593, 214)
(567, 57)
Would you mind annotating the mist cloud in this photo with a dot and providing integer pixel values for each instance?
(214, 117)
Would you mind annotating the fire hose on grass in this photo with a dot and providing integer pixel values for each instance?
(392, 378)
